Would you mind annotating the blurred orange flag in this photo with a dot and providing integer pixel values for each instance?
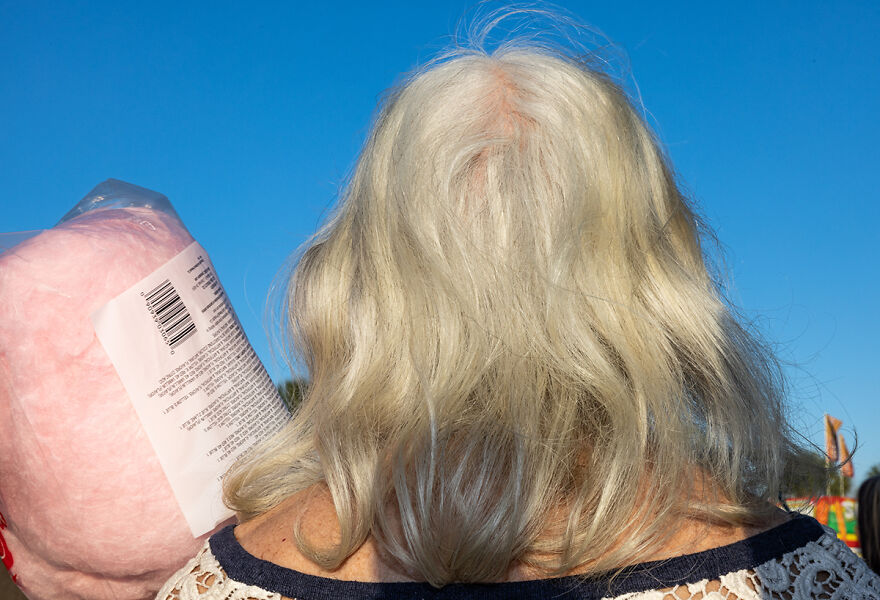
(847, 468)
(832, 426)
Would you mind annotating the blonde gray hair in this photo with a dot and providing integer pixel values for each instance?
(514, 345)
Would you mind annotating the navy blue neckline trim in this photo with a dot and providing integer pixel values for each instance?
(710, 564)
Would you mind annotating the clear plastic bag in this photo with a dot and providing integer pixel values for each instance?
(123, 395)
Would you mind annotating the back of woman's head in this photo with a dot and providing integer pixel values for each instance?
(869, 522)
(513, 341)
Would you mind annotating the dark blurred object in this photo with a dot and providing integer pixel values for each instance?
(869, 522)
(808, 475)
(292, 392)
(8, 590)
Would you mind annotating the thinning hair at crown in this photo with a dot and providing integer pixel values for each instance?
(513, 342)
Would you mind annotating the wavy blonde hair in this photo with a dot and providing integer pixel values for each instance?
(513, 341)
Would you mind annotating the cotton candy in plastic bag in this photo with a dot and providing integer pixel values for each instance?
(87, 507)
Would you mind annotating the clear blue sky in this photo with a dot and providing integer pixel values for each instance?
(249, 115)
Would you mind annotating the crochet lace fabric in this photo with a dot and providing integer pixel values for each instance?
(203, 578)
(822, 569)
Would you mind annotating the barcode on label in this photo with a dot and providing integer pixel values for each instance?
(170, 314)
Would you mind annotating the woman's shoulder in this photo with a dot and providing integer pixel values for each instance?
(204, 578)
(311, 515)
(796, 559)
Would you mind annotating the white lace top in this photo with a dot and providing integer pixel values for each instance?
(797, 560)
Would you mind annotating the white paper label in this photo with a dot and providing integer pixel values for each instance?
(196, 383)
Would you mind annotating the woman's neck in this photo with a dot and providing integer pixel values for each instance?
(271, 537)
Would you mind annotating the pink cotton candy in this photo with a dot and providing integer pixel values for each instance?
(88, 510)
